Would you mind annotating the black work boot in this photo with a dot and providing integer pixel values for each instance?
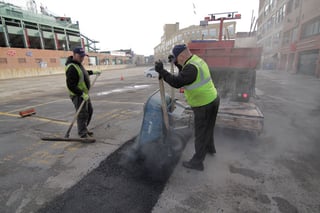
(191, 164)
(211, 150)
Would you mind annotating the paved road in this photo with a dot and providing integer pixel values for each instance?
(278, 172)
(33, 171)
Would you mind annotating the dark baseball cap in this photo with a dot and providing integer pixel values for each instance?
(80, 51)
(177, 49)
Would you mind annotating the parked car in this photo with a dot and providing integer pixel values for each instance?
(151, 73)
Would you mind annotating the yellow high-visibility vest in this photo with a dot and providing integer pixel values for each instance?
(81, 84)
(202, 91)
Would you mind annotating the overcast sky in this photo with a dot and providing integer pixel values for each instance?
(139, 24)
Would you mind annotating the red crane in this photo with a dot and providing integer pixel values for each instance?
(213, 17)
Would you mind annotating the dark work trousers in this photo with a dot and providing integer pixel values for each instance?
(204, 123)
(85, 114)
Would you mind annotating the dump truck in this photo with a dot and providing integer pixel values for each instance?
(233, 70)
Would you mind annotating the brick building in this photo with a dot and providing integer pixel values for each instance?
(289, 32)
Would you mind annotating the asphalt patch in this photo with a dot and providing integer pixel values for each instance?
(120, 183)
(284, 205)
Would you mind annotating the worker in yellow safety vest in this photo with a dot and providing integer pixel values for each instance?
(202, 96)
(78, 83)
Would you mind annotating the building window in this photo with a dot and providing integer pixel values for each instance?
(289, 6)
(286, 38)
(297, 3)
(205, 33)
(277, 16)
(311, 28)
(276, 38)
(193, 36)
(176, 38)
(3, 61)
(282, 13)
(199, 35)
(53, 60)
(295, 35)
(266, 10)
(22, 60)
(231, 30)
(213, 33)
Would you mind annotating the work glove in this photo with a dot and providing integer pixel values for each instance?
(85, 96)
(96, 72)
(158, 66)
(171, 58)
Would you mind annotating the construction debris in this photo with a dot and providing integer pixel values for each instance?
(27, 112)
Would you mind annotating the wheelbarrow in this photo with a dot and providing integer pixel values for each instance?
(160, 142)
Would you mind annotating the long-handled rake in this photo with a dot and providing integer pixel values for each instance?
(66, 136)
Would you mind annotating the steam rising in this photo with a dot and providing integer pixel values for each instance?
(158, 158)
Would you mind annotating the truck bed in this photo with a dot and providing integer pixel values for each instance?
(245, 116)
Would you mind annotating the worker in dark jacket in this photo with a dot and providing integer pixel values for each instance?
(201, 95)
(78, 83)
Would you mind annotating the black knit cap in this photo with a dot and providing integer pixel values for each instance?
(177, 49)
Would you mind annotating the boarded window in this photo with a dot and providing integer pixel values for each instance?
(3, 61)
(22, 60)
